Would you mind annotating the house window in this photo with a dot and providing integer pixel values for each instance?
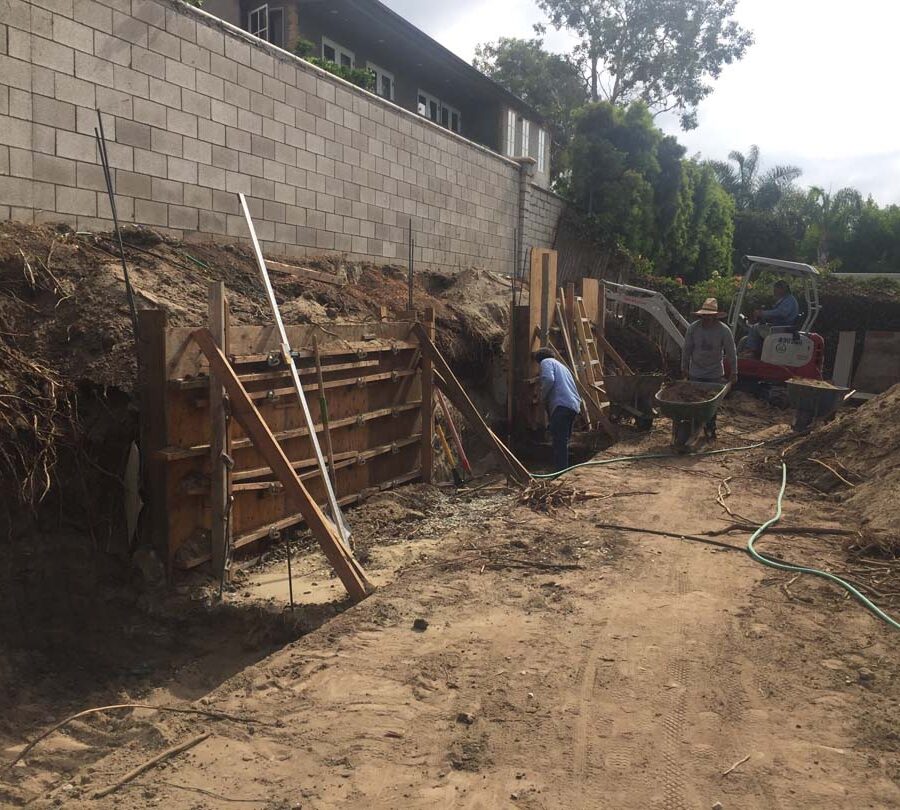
(510, 133)
(526, 137)
(542, 150)
(384, 82)
(258, 22)
(268, 24)
(337, 53)
(436, 110)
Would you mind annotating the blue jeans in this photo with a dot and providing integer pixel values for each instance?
(561, 421)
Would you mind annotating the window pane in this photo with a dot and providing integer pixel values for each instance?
(454, 122)
(434, 111)
(276, 27)
(386, 87)
(346, 61)
(328, 53)
(445, 117)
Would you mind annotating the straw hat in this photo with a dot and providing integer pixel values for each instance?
(710, 307)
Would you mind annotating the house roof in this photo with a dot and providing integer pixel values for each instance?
(379, 18)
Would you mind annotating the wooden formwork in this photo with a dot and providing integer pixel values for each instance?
(377, 406)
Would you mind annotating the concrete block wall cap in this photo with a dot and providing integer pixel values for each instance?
(526, 160)
(245, 36)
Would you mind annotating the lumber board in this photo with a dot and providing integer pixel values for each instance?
(341, 559)
(179, 453)
(275, 374)
(220, 478)
(305, 273)
(457, 395)
(427, 366)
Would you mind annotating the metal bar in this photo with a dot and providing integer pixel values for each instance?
(107, 175)
(411, 264)
(333, 507)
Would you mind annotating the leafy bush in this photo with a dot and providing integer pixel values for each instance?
(361, 77)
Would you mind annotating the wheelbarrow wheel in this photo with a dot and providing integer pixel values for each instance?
(682, 431)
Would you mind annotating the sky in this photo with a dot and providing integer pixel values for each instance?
(816, 90)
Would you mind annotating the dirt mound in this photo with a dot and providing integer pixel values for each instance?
(66, 323)
(858, 454)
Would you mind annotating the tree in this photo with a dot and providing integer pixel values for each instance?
(550, 83)
(661, 52)
(831, 219)
(874, 243)
(751, 189)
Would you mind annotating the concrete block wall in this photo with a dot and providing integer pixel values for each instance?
(540, 217)
(196, 111)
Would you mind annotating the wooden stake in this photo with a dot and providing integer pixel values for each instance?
(323, 410)
(342, 561)
(427, 326)
(220, 493)
(456, 393)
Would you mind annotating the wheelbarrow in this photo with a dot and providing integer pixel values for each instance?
(633, 395)
(813, 400)
(688, 418)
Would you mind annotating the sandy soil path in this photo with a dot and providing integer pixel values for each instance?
(634, 681)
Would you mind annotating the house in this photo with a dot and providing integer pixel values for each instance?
(411, 69)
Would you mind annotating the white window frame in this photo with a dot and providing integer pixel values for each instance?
(440, 109)
(339, 51)
(262, 31)
(379, 74)
(510, 133)
(526, 137)
(542, 150)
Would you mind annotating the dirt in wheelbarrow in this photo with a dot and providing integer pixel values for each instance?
(686, 392)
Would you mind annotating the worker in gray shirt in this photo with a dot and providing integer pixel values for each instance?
(707, 343)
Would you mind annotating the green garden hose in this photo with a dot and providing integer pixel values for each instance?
(866, 603)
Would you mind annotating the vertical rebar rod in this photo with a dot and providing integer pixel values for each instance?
(411, 265)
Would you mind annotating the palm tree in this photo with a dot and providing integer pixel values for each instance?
(830, 217)
(750, 189)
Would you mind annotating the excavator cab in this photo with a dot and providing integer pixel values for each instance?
(787, 351)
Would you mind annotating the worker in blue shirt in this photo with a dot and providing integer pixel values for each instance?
(563, 402)
(783, 313)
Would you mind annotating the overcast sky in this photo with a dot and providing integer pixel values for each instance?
(816, 90)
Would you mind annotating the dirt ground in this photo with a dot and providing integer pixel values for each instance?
(564, 664)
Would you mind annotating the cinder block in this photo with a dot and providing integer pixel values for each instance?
(237, 139)
(196, 151)
(237, 95)
(325, 240)
(166, 93)
(90, 176)
(43, 139)
(91, 69)
(165, 142)
(133, 185)
(124, 207)
(307, 79)
(324, 203)
(249, 122)
(223, 67)
(225, 202)
(273, 170)
(4, 100)
(149, 62)
(274, 88)
(211, 132)
(182, 75)
(149, 112)
(129, 81)
(210, 85)
(147, 212)
(250, 79)
(183, 217)
(181, 25)
(286, 155)
(133, 133)
(149, 11)
(197, 196)
(250, 164)
(76, 201)
(325, 89)
(262, 61)
(262, 147)
(20, 162)
(4, 162)
(286, 194)
(75, 146)
(315, 219)
(237, 183)
(211, 39)
(211, 177)
(75, 91)
(112, 49)
(273, 211)
(167, 191)
(195, 57)
(262, 106)
(184, 171)
(273, 130)
(120, 156)
(223, 113)
(181, 122)
(286, 234)
(130, 29)
(74, 34)
(225, 158)
(237, 50)
(325, 130)
(212, 222)
(164, 43)
(63, 7)
(296, 98)
(195, 104)
(93, 14)
(17, 103)
(51, 55)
